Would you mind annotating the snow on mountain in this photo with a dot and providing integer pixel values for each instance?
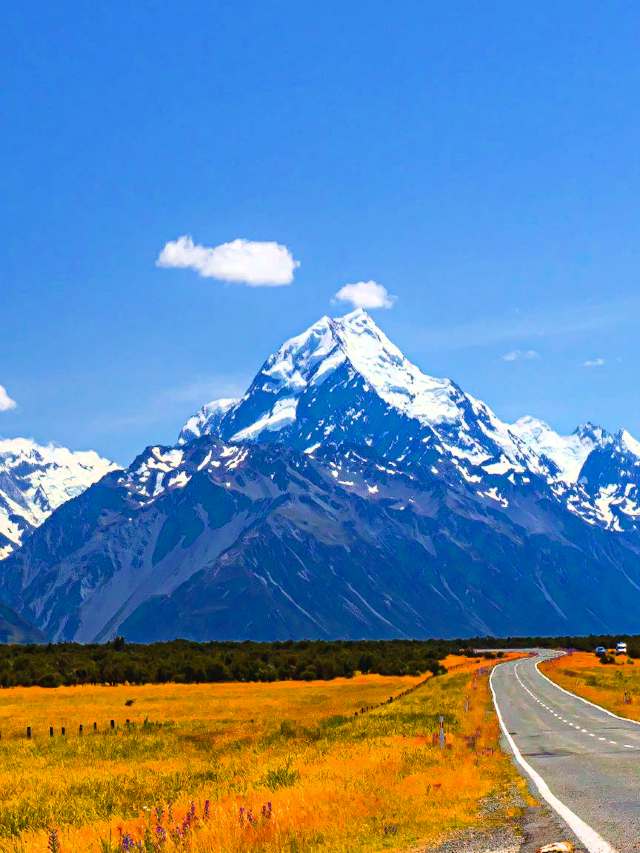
(206, 419)
(325, 384)
(35, 480)
(343, 381)
(568, 452)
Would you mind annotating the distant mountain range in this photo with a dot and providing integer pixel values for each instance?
(347, 494)
(35, 480)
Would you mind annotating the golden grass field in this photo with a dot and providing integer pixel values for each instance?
(335, 780)
(583, 674)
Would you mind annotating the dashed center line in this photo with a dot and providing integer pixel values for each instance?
(576, 726)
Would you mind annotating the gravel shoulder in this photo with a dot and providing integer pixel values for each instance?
(537, 826)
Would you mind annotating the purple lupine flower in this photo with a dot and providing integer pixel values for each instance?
(53, 844)
(161, 835)
(207, 808)
(127, 842)
(159, 813)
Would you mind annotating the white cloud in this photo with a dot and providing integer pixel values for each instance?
(6, 403)
(596, 362)
(517, 354)
(365, 294)
(258, 264)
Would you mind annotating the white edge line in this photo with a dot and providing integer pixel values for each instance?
(589, 837)
(582, 699)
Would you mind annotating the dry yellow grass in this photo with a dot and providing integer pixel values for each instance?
(334, 779)
(604, 684)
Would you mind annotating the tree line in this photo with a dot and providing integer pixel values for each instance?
(188, 662)
(184, 661)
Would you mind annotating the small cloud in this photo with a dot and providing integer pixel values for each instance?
(258, 264)
(6, 403)
(597, 362)
(365, 294)
(517, 354)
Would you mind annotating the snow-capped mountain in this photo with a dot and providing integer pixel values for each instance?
(343, 380)
(35, 480)
(347, 494)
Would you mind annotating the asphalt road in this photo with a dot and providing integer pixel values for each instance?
(589, 760)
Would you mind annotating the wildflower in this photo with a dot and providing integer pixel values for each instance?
(127, 843)
(53, 844)
(161, 835)
(159, 813)
(207, 810)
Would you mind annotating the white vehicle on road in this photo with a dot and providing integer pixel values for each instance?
(621, 648)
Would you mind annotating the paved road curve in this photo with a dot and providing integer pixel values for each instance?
(589, 759)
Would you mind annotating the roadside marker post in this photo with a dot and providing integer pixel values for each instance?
(466, 704)
(29, 732)
(441, 732)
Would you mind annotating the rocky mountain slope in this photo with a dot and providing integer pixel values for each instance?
(347, 494)
(35, 480)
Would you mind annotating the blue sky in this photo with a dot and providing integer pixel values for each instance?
(479, 161)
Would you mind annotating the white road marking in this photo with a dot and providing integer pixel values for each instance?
(589, 837)
(586, 701)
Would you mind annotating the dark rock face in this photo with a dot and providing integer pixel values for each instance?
(267, 542)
